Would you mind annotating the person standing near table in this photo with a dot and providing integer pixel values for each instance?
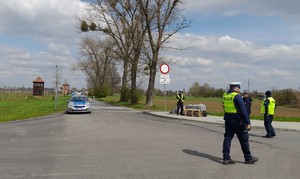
(180, 100)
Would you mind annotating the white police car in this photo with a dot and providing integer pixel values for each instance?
(79, 104)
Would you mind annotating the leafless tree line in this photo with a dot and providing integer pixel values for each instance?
(135, 33)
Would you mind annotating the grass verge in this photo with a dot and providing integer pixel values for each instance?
(19, 109)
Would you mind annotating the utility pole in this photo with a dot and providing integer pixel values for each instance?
(248, 85)
(56, 83)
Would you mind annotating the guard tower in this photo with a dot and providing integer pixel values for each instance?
(65, 88)
(38, 87)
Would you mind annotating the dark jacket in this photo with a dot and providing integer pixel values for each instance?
(248, 103)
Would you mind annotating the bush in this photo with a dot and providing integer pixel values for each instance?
(139, 94)
(101, 92)
(286, 97)
(125, 94)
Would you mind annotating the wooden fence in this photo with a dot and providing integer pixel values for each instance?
(13, 94)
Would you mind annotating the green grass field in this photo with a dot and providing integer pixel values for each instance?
(213, 106)
(18, 109)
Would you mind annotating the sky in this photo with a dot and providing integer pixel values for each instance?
(253, 42)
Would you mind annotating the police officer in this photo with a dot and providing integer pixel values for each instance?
(236, 122)
(248, 102)
(180, 100)
(268, 108)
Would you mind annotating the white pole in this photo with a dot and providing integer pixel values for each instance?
(56, 88)
(165, 98)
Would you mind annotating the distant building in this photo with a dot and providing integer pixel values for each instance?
(65, 88)
(38, 86)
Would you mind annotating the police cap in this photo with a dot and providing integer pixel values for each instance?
(235, 84)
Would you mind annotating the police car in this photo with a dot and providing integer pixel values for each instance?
(79, 104)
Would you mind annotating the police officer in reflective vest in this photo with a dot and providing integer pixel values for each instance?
(236, 122)
(180, 100)
(268, 108)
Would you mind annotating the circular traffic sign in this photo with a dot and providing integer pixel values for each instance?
(164, 68)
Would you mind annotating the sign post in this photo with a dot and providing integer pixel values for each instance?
(164, 79)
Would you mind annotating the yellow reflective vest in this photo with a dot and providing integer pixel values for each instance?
(271, 106)
(228, 103)
(180, 97)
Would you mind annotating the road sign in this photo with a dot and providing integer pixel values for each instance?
(165, 81)
(164, 76)
(164, 68)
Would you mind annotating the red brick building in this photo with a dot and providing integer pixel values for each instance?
(65, 89)
(38, 86)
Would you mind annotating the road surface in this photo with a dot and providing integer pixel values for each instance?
(115, 142)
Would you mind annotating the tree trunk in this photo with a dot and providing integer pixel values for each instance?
(151, 84)
(134, 97)
(124, 92)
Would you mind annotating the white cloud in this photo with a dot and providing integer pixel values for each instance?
(50, 22)
(36, 35)
(204, 62)
(44, 34)
(219, 60)
(289, 10)
(19, 68)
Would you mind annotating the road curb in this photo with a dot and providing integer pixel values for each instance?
(182, 118)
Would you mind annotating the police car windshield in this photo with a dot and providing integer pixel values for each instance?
(79, 98)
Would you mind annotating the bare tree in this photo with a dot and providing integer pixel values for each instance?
(163, 19)
(97, 60)
(114, 78)
(120, 19)
(134, 25)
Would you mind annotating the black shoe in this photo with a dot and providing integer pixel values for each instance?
(273, 135)
(252, 160)
(228, 162)
(267, 136)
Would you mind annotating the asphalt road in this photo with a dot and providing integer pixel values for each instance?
(114, 142)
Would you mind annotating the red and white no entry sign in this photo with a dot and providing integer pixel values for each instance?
(164, 68)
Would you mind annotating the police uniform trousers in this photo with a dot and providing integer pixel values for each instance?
(268, 125)
(233, 126)
(180, 108)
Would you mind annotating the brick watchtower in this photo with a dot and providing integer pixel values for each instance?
(38, 87)
(65, 88)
